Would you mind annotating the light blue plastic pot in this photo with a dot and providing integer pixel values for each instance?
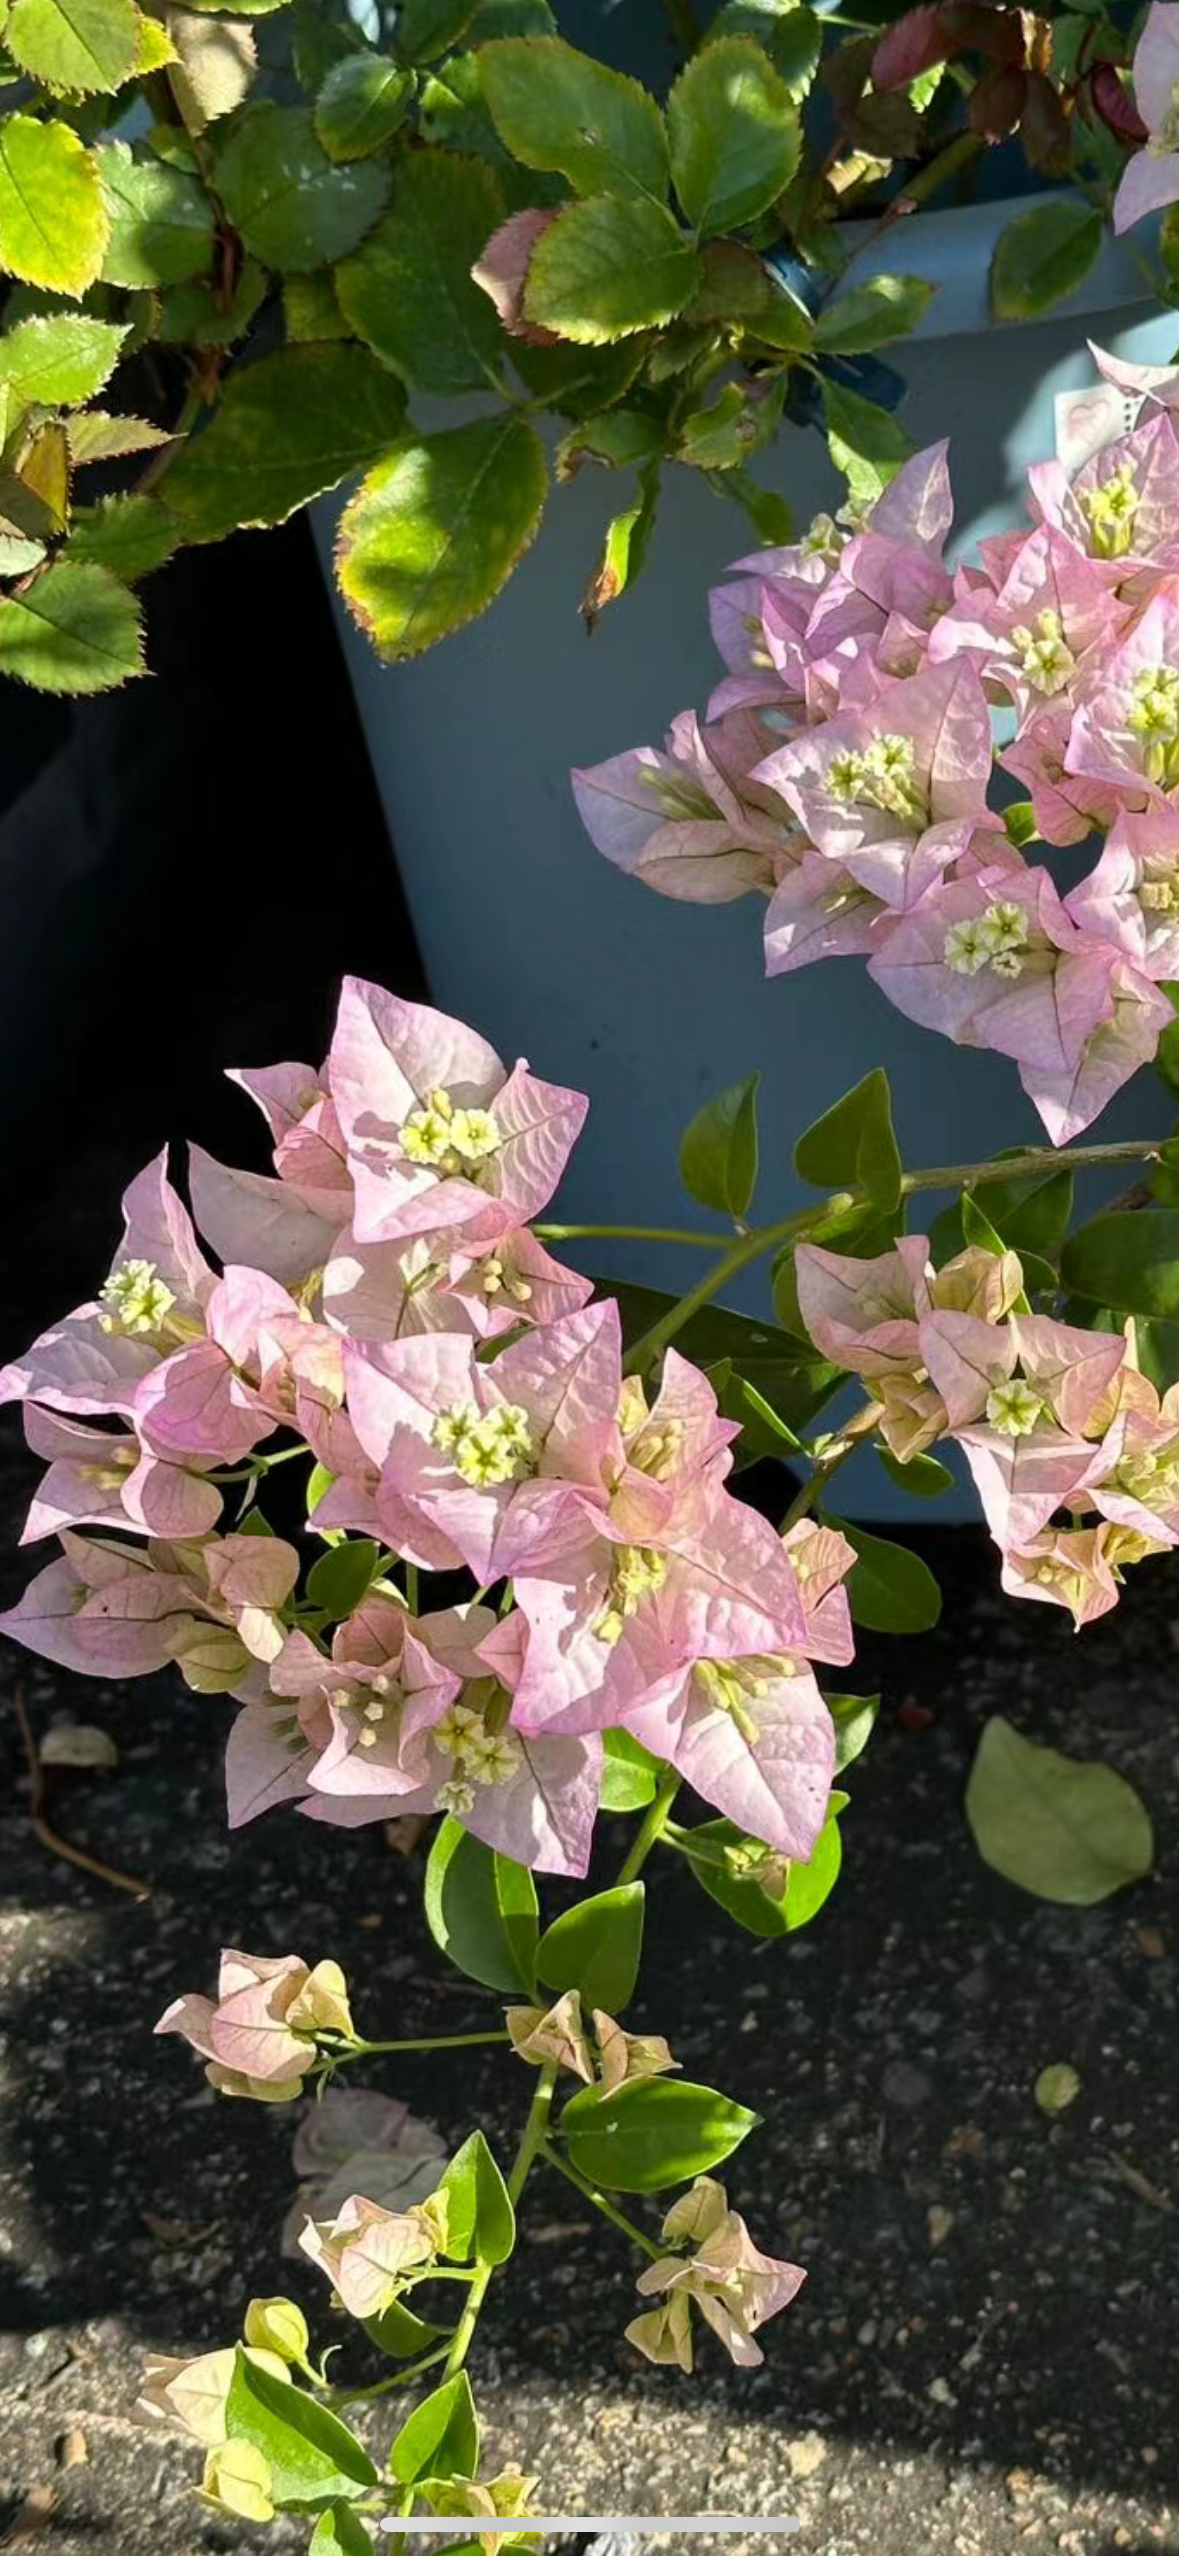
(647, 1005)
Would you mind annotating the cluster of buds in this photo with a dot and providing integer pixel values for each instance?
(271, 2023)
(717, 2269)
(559, 2035)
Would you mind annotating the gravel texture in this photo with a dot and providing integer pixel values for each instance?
(982, 2359)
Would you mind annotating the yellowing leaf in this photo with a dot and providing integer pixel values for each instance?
(437, 528)
(53, 223)
(80, 45)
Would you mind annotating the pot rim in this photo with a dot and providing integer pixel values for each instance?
(952, 249)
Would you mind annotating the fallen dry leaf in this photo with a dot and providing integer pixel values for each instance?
(72, 2449)
(78, 1744)
(34, 2517)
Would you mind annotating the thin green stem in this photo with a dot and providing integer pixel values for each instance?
(411, 1587)
(765, 1238)
(403, 2378)
(552, 2156)
(859, 1427)
(436, 2041)
(653, 1825)
(531, 2136)
(632, 1233)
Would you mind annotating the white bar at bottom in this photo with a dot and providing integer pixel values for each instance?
(718, 2524)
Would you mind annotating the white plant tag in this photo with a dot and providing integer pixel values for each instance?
(1087, 420)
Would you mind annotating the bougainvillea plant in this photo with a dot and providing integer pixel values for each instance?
(234, 258)
(525, 1587)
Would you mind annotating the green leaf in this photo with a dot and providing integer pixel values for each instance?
(620, 439)
(1019, 823)
(1129, 1260)
(628, 539)
(408, 291)
(427, 28)
(555, 108)
(295, 208)
(399, 2333)
(922, 1474)
(595, 1948)
(236, 8)
(286, 429)
(734, 134)
(311, 313)
(724, 1862)
(215, 65)
(341, 1579)
(853, 1146)
(53, 227)
(652, 2133)
(1031, 1214)
(60, 361)
(437, 528)
(160, 221)
(854, 1717)
(867, 444)
(1042, 256)
(441, 2437)
(481, 1910)
(313, 2457)
(791, 34)
(319, 1483)
(739, 421)
(606, 268)
(629, 1773)
(339, 2533)
(1067, 1829)
(869, 315)
(718, 1150)
(94, 435)
(763, 1429)
(771, 516)
(480, 2220)
(76, 629)
(81, 45)
(363, 102)
(194, 314)
(890, 1590)
(130, 536)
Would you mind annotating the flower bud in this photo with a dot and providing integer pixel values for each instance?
(278, 2325)
(237, 2479)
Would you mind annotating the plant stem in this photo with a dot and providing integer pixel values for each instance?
(937, 1176)
(631, 1233)
(653, 1825)
(531, 2138)
(682, 20)
(859, 1426)
(552, 2156)
(403, 2378)
(440, 2041)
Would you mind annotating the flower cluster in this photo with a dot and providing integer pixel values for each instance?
(844, 768)
(1074, 1454)
(383, 1297)
(1151, 178)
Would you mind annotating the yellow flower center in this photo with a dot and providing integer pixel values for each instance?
(136, 1299)
(452, 1142)
(1111, 506)
(998, 938)
(1046, 661)
(1153, 716)
(1014, 1408)
(637, 1572)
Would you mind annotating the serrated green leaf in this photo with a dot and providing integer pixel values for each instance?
(154, 49)
(427, 28)
(160, 221)
(76, 629)
(130, 536)
(624, 551)
(409, 291)
(59, 362)
(651, 2133)
(437, 528)
(481, 1910)
(606, 268)
(53, 225)
(196, 314)
(1066, 1829)
(363, 102)
(295, 208)
(480, 2220)
(80, 45)
(853, 1146)
(236, 8)
(1042, 256)
(739, 421)
(718, 1150)
(790, 33)
(889, 1589)
(216, 60)
(313, 2457)
(595, 1948)
(94, 435)
(867, 444)
(557, 109)
(1129, 1260)
(288, 428)
(868, 315)
(771, 516)
(629, 1773)
(311, 313)
(734, 134)
(441, 2437)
